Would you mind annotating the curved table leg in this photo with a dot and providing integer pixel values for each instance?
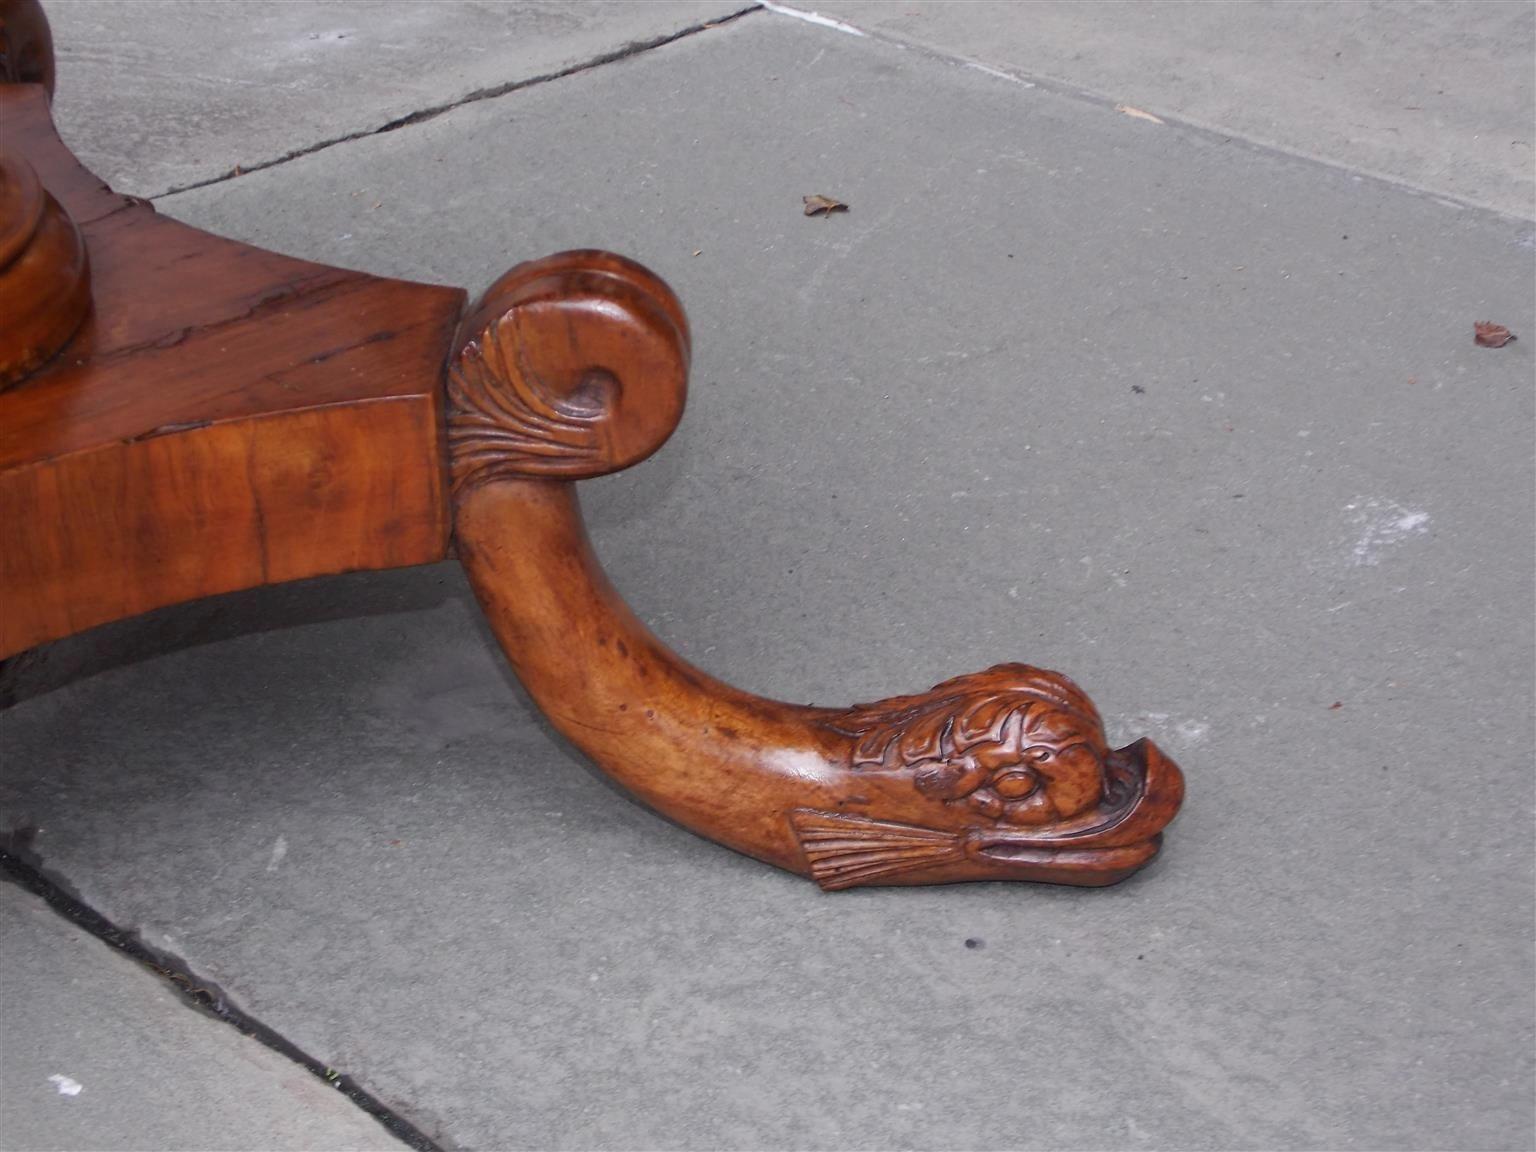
(575, 366)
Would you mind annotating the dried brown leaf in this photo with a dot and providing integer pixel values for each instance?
(1487, 334)
(823, 205)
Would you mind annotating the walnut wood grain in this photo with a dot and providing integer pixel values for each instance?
(224, 417)
(576, 365)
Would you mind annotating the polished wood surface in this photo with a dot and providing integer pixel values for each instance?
(224, 417)
(580, 362)
(26, 44)
(45, 282)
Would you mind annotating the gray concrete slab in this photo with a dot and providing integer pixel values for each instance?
(99, 1053)
(156, 96)
(1439, 95)
(1300, 555)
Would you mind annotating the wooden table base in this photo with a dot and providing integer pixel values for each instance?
(224, 417)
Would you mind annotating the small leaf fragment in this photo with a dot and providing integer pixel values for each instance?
(823, 205)
(1487, 334)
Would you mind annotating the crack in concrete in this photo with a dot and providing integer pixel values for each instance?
(624, 52)
(20, 865)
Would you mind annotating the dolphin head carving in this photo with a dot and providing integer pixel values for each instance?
(1011, 777)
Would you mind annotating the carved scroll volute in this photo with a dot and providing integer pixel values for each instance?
(569, 367)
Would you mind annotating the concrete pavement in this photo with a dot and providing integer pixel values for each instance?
(1198, 422)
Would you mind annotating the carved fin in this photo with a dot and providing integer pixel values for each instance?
(845, 851)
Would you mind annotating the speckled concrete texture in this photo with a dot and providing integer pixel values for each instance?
(1198, 423)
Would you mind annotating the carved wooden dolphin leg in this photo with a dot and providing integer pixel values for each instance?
(576, 366)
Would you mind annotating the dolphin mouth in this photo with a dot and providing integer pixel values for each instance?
(1143, 791)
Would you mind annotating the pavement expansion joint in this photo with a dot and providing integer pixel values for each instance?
(633, 48)
(20, 867)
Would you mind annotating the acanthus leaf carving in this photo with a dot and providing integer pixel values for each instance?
(504, 421)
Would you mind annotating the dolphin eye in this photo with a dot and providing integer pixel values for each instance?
(1040, 754)
(1015, 785)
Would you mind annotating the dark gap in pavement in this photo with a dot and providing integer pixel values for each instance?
(633, 48)
(20, 866)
